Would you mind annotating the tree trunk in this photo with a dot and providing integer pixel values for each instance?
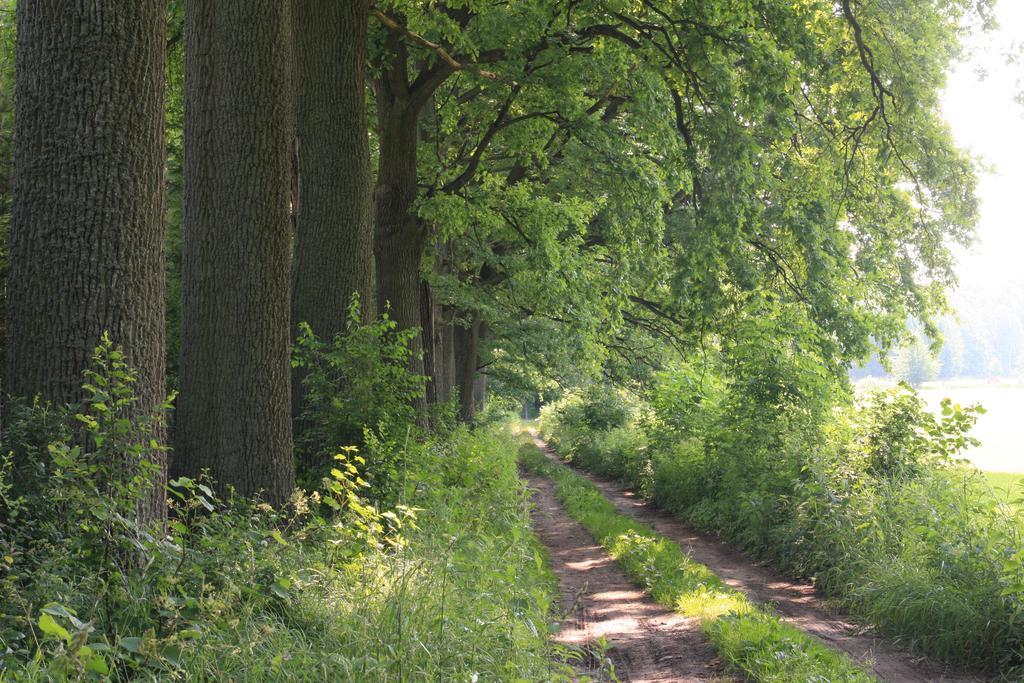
(431, 342)
(480, 389)
(86, 235)
(437, 335)
(466, 342)
(334, 222)
(333, 248)
(399, 238)
(399, 241)
(233, 415)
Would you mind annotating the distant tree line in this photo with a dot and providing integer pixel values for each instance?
(984, 338)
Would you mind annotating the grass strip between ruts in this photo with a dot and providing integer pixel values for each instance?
(747, 636)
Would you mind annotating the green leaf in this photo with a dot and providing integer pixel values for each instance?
(50, 627)
(97, 664)
(58, 610)
(172, 655)
(132, 644)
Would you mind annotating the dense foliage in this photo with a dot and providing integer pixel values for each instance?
(670, 170)
(447, 584)
(358, 390)
(869, 500)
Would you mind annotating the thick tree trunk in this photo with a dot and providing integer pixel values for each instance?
(399, 237)
(333, 248)
(87, 225)
(438, 350)
(467, 340)
(334, 221)
(233, 414)
(480, 390)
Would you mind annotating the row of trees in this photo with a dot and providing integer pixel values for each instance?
(982, 339)
(543, 189)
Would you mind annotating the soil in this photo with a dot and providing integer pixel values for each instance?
(619, 630)
(796, 602)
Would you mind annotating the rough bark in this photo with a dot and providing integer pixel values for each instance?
(430, 332)
(480, 389)
(333, 248)
(234, 410)
(399, 244)
(86, 233)
(400, 238)
(438, 350)
(332, 206)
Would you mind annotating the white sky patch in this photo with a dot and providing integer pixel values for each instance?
(987, 120)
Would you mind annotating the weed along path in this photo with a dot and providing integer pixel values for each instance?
(607, 617)
(796, 603)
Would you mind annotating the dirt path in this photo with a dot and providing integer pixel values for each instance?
(798, 603)
(646, 643)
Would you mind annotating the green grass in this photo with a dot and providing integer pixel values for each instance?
(465, 597)
(1005, 484)
(749, 638)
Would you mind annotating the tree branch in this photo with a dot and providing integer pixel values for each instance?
(439, 50)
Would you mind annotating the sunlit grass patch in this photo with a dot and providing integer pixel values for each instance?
(747, 636)
(1005, 487)
(467, 597)
(710, 604)
(767, 649)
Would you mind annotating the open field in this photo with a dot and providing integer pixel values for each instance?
(1001, 429)
(1005, 485)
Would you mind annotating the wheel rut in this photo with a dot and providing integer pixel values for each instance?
(619, 629)
(796, 602)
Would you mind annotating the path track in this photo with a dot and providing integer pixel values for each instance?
(647, 643)
(796, 602)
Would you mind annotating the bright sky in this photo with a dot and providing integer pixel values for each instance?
(987, 120)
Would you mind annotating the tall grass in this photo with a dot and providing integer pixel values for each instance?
(466, 598)
(458, 592)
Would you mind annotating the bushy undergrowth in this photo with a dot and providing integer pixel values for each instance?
(356, 389)
(867, 499)
(749, 639)
(447, 584)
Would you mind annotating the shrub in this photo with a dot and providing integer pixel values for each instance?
(678, 471)
(358, 391)
(449, 584)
